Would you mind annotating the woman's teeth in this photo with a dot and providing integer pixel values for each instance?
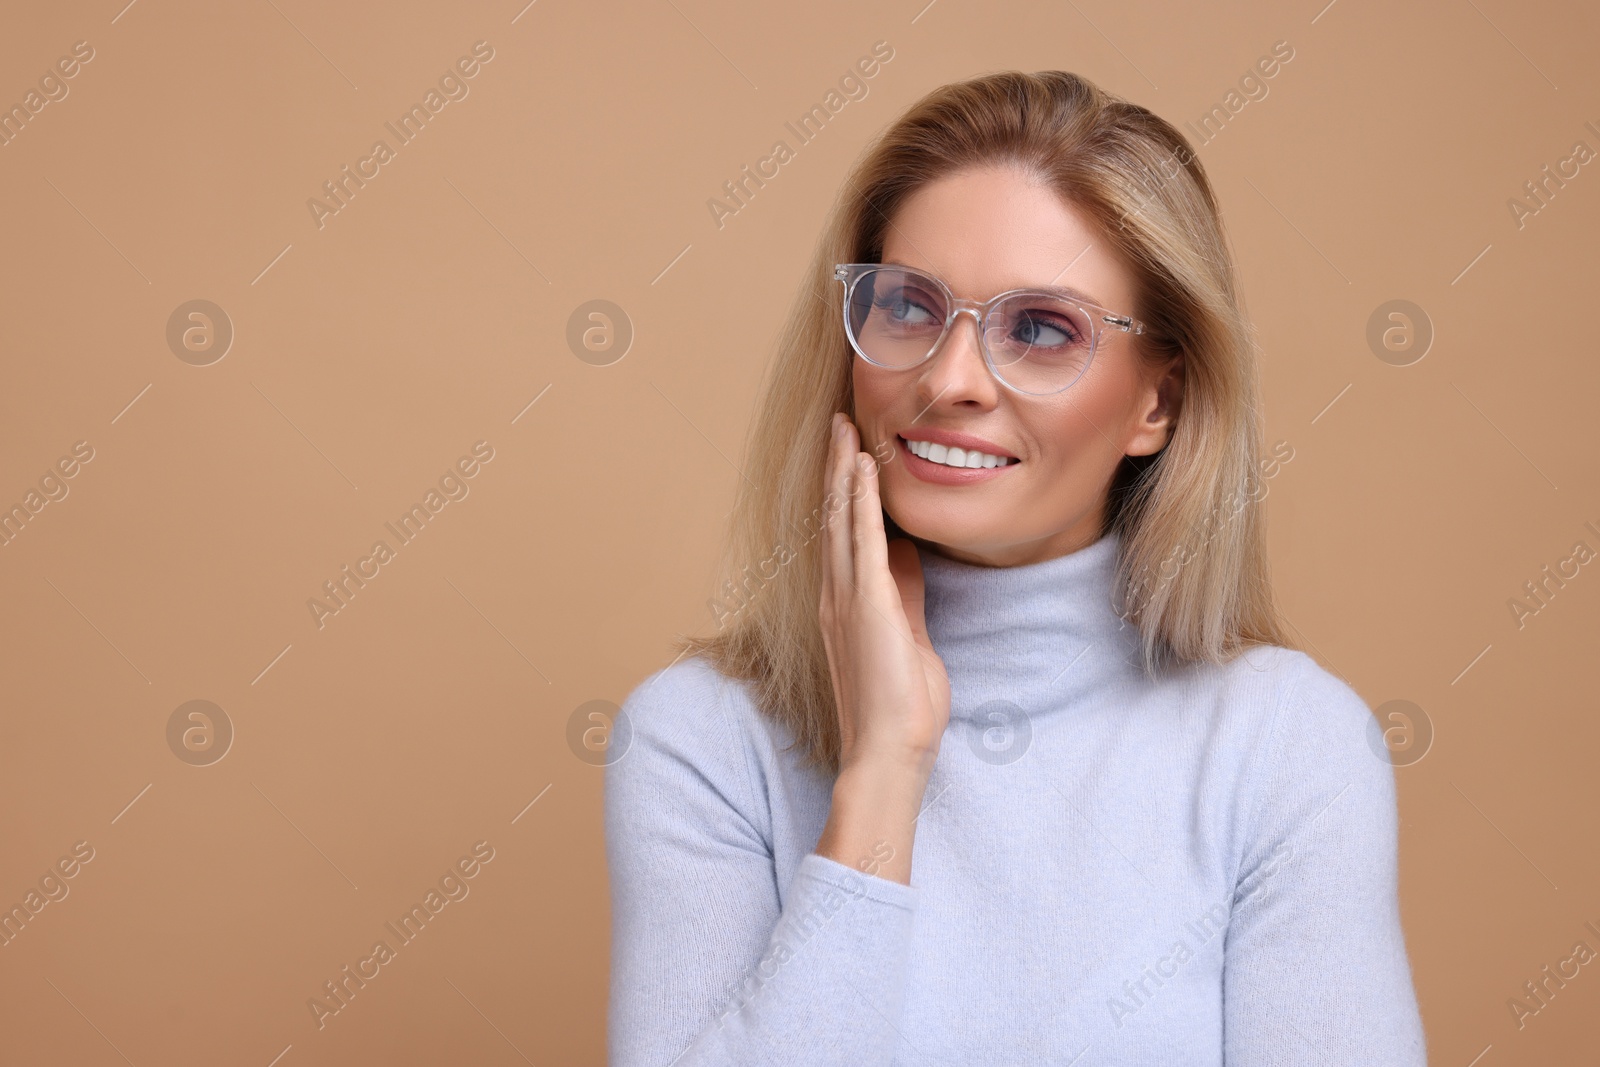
(956, 457)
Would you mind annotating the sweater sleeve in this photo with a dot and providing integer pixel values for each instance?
(1315, 967)
(707, 967)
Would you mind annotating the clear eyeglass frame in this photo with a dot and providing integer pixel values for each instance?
(1100, 318)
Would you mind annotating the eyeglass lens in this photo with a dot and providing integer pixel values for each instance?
(1037, 343)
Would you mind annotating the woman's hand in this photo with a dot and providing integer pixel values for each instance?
(890, 687)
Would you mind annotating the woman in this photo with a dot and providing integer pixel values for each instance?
(1025, 772)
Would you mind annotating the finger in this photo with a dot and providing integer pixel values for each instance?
(868, 541)
(820, 517)
(836, 511)
(906, 567)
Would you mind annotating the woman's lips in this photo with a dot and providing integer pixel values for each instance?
(940, 474)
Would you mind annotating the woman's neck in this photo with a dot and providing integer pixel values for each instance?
(1039, 630)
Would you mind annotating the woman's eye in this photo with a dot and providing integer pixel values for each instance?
(905, 310)
(1043, 333)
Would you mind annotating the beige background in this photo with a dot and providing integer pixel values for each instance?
(430, 311)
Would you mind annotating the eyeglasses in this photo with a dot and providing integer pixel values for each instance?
(1035, 341)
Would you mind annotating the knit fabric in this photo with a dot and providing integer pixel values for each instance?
(1193, 869)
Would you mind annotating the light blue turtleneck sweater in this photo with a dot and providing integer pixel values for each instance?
(1194, 870)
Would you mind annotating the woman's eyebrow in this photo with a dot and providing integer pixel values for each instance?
(1059, 290)
(1066, 291)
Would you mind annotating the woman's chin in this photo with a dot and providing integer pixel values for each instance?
(963, 535)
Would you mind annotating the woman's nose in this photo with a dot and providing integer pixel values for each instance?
(957, 373)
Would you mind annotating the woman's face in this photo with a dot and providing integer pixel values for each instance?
(986, 230)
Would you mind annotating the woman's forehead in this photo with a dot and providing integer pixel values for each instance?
(986, 230)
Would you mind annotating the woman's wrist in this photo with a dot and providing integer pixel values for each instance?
(872, 823)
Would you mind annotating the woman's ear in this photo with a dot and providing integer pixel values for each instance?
(1162, 401)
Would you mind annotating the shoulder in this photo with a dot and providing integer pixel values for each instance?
(683, 685)
(1288, 729)
(688, 701)
(1315, 748)
(685, 725)
(1284, 696)
(1319, 712)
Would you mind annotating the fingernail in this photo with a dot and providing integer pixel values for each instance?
(838, 426)
(865, 463)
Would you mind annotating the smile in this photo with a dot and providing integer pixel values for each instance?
(945, 464)
(955, 457)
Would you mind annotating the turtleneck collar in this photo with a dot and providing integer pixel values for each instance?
(1037, 633)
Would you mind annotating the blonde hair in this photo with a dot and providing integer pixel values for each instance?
(1136, 176)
